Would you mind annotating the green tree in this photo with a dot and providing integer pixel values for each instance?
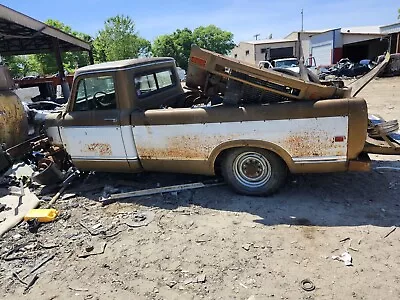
(119, 40)
(176, 45)
(179, 43)
(21, 65)
(398, 14)
(214, 39)
(71, 60)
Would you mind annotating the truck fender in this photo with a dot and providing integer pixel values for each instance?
(218, 151)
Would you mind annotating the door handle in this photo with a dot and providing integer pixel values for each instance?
(111, 120)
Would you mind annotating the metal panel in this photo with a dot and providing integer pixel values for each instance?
(303, 139)
(94, 142)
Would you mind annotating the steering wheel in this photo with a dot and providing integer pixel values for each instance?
(98, 100)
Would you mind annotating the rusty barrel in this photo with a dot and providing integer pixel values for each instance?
(13, 119)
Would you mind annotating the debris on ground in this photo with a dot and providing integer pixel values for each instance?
(344, 257)
(307, 285)
(20, 206)
(41, 215)
(392, 229)
(140, 219)
(98, 251)
(111, 198)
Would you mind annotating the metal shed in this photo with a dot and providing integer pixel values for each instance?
(21, 35)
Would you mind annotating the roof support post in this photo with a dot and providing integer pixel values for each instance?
(91, 60)
(61, 73)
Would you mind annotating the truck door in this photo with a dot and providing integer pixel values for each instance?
(91, 127)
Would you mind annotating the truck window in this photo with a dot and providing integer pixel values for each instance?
(164, 79)
(95, 93)
(147, 84)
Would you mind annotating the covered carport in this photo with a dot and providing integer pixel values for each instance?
(22, 35)
(363, 46)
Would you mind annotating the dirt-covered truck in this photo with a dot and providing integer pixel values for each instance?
(252, 126)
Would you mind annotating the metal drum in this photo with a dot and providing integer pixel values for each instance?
(13, 119)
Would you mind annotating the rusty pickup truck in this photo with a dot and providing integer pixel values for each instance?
(252, 126)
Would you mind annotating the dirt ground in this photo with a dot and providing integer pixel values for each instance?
(215, 244)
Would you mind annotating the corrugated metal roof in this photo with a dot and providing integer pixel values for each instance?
(294, 33)
(21, 34)
(362, 30)
(391, 28)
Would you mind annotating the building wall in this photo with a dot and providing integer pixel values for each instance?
(244, 52)
(305, 38)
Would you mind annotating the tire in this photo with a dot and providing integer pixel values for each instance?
(267, 172)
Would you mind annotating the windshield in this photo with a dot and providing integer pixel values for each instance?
(286, 63)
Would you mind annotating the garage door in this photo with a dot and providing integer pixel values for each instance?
(322, 54)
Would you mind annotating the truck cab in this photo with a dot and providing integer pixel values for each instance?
(95, 128)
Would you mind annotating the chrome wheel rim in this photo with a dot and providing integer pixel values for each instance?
(251, 169)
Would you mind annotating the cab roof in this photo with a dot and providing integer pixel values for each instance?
(122, 64)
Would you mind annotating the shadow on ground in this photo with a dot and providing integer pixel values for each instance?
(340, 199)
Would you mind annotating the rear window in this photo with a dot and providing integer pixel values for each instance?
(154, 82)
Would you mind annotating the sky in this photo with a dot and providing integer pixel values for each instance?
(243, 18)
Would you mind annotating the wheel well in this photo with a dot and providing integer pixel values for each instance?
(223, 153)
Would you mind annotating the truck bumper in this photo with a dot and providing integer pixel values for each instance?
(361, 164)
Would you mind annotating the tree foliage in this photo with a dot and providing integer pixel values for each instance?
(71, 60)
(119, 40)
(398, 14)
(21, 65)
(214, 39)
(178, 44)
(45, 63)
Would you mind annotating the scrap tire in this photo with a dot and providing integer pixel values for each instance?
(254, 171)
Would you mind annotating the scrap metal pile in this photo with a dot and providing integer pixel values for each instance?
(346, 68)
(233, 82)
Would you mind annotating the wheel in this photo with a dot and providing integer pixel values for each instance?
(253, 171)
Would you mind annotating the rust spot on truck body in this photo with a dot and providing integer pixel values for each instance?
(101, 149)
(314, 144)
(182, 147)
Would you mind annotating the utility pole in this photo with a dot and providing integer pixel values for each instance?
(302, 20)
(256, 36)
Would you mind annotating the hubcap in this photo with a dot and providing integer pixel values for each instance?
(251, 169)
